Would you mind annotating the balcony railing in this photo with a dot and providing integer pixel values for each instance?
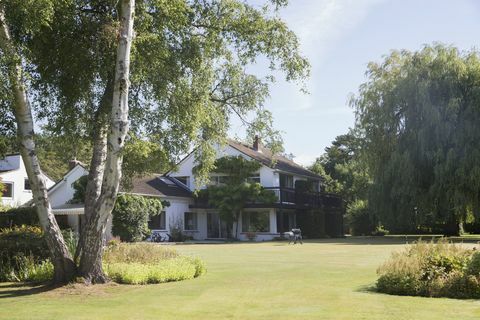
(291, 196)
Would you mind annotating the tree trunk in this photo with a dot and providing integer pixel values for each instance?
(97, 164)
(94, 231)
(61, 258)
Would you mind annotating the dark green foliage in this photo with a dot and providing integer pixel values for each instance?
(201, 49)
(418, 115)
(231, 198)
(359, 219)
(19, 216)
(131, 214)
(80, 188)
(312, 223)
(23, 251)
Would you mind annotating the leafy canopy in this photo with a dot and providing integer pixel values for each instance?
(188, 68)
(418, 114)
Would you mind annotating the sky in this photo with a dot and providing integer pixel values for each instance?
(340, 37)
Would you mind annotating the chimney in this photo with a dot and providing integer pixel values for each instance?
(257, 144)
(72, 163)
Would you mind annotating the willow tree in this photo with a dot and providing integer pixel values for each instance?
(188, 77)
(419, 115)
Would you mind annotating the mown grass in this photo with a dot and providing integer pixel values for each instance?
(329, 279)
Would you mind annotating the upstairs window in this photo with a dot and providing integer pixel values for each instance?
(286, 181)
(184, 180)
(158, 222)
(7, 191)
(26, 185)
(217, 180)
(254, 178)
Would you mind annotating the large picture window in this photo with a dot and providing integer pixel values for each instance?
(7, 191)
(255, 222)
(158, 222)
(190, 221)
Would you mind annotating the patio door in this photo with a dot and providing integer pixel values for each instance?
(216, 228)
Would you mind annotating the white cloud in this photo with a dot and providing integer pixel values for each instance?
(320, 25)
(305, 159)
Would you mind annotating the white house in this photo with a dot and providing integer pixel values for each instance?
(14, 178)
(196, 218)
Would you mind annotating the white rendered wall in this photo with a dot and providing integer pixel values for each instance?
(63, 191)
(17, 177)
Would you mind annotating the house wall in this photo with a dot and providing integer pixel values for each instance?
(17, 176)
(63, 191)
(268, 176)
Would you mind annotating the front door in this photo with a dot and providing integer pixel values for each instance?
(216, 228)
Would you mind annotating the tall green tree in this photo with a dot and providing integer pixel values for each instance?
(419, 114)
(236, 192)
(188, 78)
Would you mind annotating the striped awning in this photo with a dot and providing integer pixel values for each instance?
(69, 209)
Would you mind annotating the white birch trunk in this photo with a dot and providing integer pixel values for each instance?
(61, 258)
(94, 231)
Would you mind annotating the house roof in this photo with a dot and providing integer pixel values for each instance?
(159, 186)
(274, 161)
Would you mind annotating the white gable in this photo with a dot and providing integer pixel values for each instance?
(63, 191)
(12, 172)
(268, 176)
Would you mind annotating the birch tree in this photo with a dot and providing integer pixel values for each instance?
(14, 76)
(189, 62)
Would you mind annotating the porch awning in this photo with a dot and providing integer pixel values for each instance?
(69, 209)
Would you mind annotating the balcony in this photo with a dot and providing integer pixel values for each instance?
(288, 198)
(301, 199)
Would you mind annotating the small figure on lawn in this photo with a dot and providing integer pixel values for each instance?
(294, 235)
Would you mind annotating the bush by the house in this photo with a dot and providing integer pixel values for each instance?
(19, 216)
(432, 269)
(149, 263)
(131, 214)
(24, 255)
(359, 219)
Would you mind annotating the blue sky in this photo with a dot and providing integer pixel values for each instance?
(340, 37)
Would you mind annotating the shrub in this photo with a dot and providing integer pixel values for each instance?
(23, 240)
(149, 263)
(359, 219)
(146, 253)
(19, 216)
(131, 214)
(473, 267)
(428, 269)
(25, 268)
(24, 255)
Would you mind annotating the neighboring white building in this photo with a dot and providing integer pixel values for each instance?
(14, 177)
(199, 220)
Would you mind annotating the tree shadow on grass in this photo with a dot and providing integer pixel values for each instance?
(13, 290)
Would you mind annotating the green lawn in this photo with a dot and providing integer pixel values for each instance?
(319, 280)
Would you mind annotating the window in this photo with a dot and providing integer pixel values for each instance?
(286, 181)
(184, 180)
(255, 222)
(190, 221)
(26, 185)
(7, 191)
(158, 222)
(217, 180)
(254, 179)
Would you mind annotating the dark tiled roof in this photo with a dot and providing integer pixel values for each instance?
(265, 156)
(159, 186)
